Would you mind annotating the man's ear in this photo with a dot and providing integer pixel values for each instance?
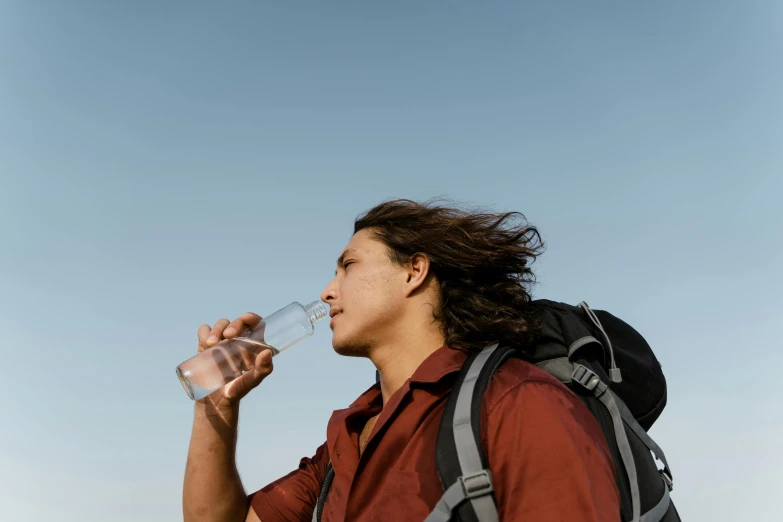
(418, 270)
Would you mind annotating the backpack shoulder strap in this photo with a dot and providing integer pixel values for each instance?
(322, 494)
(462, 464)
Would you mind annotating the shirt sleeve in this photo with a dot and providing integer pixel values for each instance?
(293, 497)
(549, 458)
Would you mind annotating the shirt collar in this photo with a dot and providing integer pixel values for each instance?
(440, 363)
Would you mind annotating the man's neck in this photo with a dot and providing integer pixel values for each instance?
(397, 360)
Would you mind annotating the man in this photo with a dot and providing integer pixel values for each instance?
(416, 287)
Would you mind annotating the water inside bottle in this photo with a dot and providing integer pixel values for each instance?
(201, 376)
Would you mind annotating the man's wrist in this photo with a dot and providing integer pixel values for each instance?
(224, 410)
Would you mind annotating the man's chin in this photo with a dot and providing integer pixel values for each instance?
(349, 349)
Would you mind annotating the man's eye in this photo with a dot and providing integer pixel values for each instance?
(345, 265)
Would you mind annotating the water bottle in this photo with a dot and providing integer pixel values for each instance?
(212, 369)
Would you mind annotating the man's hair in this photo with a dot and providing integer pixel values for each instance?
(481, 261)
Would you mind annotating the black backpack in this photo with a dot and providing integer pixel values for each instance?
(614, 372)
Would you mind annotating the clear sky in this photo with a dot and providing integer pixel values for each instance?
(166, 164)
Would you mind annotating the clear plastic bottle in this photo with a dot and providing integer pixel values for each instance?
(212, 369)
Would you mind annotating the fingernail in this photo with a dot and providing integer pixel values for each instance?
(212, 339)
(229, 331)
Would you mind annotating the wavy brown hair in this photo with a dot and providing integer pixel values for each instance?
(481, 261)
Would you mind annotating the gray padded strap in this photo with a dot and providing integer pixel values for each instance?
(467, 451)
(657, 513)
(559, 367)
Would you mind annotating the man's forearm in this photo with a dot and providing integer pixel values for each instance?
(213, 490)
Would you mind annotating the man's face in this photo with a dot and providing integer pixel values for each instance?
(366, 296)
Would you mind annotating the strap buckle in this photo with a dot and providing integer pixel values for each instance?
(588, 379)
(667, 478)
(477, 484)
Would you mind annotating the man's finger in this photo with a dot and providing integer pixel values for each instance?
(216, 334)
(203, 333)
(241, 325)
(251, 319)
(242, 385)
(263, 365)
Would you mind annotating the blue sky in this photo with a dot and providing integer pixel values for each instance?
(163, 165)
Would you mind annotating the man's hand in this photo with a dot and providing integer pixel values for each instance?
(229, 395)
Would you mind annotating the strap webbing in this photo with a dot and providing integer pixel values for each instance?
(629, 419)
(588, 378)
(614, 371)
(625, 451)
(453, 497)
(657, 513)
(463, 489)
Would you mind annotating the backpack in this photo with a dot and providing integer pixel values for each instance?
(608, 365)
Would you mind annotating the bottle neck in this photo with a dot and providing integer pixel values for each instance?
(316, 311)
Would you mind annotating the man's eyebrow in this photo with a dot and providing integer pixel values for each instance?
(345, 253)
(342, 257)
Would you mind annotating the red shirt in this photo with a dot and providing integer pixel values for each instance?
(548, 457)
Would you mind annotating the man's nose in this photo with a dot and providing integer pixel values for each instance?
(330, 292)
